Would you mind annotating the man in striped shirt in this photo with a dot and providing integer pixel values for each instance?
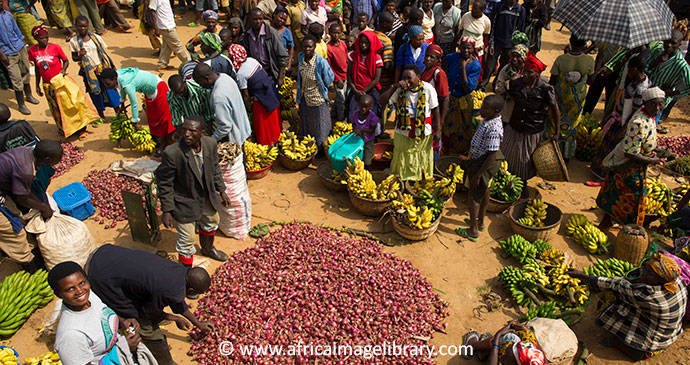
(668, 70)
(187, 98)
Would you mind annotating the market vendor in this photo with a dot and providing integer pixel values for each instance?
(192, 198)
(622, 194)
(138, 285)
(646, 317)
(89, 332)
(416, 105)
(17, 172)
(14, 133)
(512, 344)
(187, 98)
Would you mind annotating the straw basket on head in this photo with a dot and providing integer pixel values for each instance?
(631, 244)
(551, 223)
(549, 162)
(325, 171)
(414, 234)
(370, 207)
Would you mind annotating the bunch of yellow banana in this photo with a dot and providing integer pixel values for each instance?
(339, 177)
(684, 187)
(50, 358)
(287, 98)
(359, 180)
(294, 149)
(445, 186)
(589, 137)
(339, 129)
(388, 188)
(142, 140)
(478, 98)
(419, 218)
(586, 234)
(535, 213)
(552, 256)
(454, 171)
(402, 201)
(388, 155)
(659, 198)
(536, 271)
(258, 156)
(568, 286)
(7, 357)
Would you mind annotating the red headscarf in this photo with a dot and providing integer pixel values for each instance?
(429, 72)
(362, 76)
(39, 30)
(533, 63)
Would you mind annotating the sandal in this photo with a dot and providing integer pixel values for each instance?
(193, 25)
(464, 232)
(472, 334)
(83, 136)
(97, 122)
(467, 220)
(593, 183)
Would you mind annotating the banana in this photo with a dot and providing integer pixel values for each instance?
(295, 149)
(257, 156)
(339, 129)
(535, 213)
(589, 137)
(505, 186)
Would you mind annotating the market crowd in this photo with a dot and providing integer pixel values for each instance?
(419, 65)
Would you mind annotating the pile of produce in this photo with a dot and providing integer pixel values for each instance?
(121, 127)
(339, 129)
(50, 358)
(417, 212)
(587, 234)
(609, 268)
(361, 183)
(443, 187)
(454, 171)
(340, 177)
(258, 156)
(316, 286)
(387, 155)
(589, 137)
(680, 165)
(505, 186)
(526, 251)
(70, 157)
(8, 357)
(228, 152)
(679, 145)
(295, 149)
(106, 194)
(287, 98)
(535, 213)
(659, 198)
(20, 295)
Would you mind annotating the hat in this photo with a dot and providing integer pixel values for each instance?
(209, 14)
(653, 93)
(435, 50)
(415, 30)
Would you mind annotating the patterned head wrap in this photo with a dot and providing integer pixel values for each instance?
(211, 40)
(526, 353)
(533, 63)
(519, 38)
(666, 268)
(209, 14)
(653, 93)
(38, 31)
(237, 55)
(415, 30)
(435, 50)
(187, 69)
(521, 50)
(468, 40)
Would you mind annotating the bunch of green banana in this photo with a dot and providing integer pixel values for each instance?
(586, 234)
(552, 256)
(505, 186)
(541, 246)
(610, 268)
(589, 137)
(258, 156)
(535, 213)
(544, 310)
(568, 286)
(417, 213)
(432, 201)
(20, 295)
(519, 248)
(339, 129)
(295, 149)
(520, 286)
(454, 171)
(659, 197)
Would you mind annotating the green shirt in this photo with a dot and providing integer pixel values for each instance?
(197, 102)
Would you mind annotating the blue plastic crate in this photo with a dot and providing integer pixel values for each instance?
(347, 146)
(75, 200)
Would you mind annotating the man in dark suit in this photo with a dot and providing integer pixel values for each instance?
(189, 185)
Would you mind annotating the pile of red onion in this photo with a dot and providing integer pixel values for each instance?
(316, 286)
(70, 157)
(106, 191)
(679, 145)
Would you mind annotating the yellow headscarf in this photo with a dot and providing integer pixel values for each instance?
(666, 268)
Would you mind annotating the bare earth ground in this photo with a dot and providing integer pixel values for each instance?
(458, 268)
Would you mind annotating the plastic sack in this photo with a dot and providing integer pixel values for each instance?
(235, 220)
(555, 338)
(50, 325)
(61, 238)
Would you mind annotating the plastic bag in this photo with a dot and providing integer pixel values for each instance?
(50, 325)
(555, 338)
(235, 220)
(61, 238)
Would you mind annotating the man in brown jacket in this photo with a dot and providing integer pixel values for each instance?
(189, 185)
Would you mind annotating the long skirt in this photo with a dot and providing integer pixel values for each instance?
(518, 149)
(315, 121)
(26, 22)
(458, 128)
(267, 125)
(571, 100)
(158, 112)
(622, 195)
(59, 13)
(411, 157)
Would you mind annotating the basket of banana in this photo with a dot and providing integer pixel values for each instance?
(383, 155)
(8, 356)
(293, 153)
(439, 185)
(658, 201)
(258, 159)
(370, 193)
(535, 219)
(339, 129)
(332, 179)
(416, 218)
(504, 191)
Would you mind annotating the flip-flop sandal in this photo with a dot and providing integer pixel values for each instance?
(97, 122)
(593, 183)
(83, 136)
(467, 220)
(193, 25)
(464, 232)
(465, 341)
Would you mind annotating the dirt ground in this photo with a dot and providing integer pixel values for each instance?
(456, 267)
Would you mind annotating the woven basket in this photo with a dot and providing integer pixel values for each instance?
(549, 162)
(414, 234)
(631, 244)
(408, 188)
(369, 207)
(441, 165)
(291, 164)
(258, 174)
(325, 171)
(498, 206)
(551, 223)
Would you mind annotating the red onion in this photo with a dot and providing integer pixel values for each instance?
(679, 145)
(70, 157)
(318, 286)
(106, 191)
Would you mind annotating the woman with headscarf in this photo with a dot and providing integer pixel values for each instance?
(212, 50)
(437, 78)
(411, 52)
(512, 344)
(646, 316)
(364, 70)
(569, 78)
(314, 77)
(236, 26)
(280, 16)
(253, 81)
(532, 97)
(211, 20)
(622, 194)
(464, 70)
(511, 71)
